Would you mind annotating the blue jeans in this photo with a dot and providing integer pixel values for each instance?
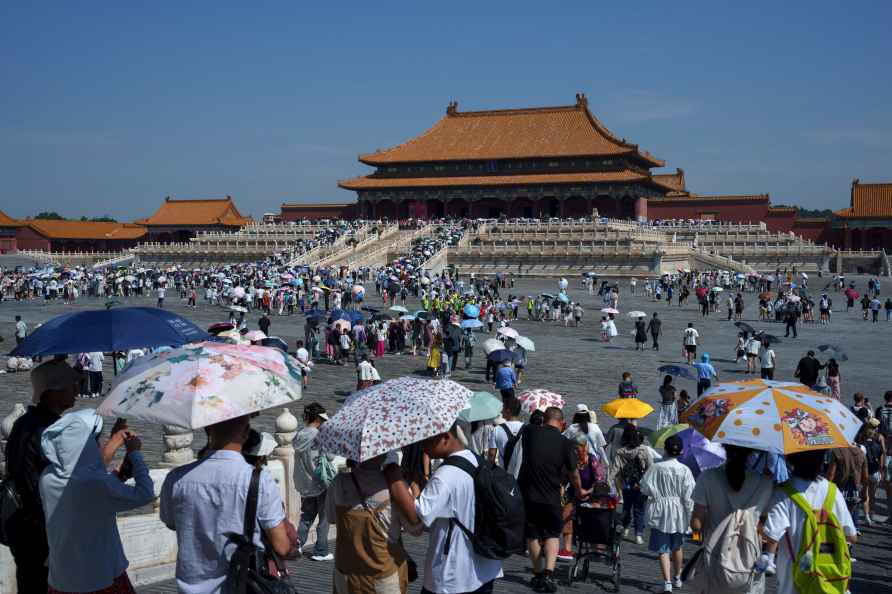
(633, 510)
(310, 508)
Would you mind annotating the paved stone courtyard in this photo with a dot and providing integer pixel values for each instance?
(570, 361)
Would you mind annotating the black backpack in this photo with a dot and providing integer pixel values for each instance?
(874, 453)
(498, 510)
(513, 438)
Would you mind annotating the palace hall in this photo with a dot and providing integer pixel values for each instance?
(532, 162)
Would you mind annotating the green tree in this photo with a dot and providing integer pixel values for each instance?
(52, 216)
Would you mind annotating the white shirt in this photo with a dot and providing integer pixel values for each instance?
(161, 292)
(21, 329)
(670, 486)
(596, 441)
(766, 357)
(786, 518)
(690, 337)
(95, 360)
(450, 494)
(203, 501)
(499, 439)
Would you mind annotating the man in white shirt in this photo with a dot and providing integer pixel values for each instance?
(205, 500)
(783, 527)
(21, 330)
(94, 368)
(449, 494)
(502, 433)
(689, 340)
(767, 359)
(161, 293)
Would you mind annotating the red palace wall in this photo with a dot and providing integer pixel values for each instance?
(314, 212)
(817, 230)
(29, 239)
(781, 220)
(740, 211)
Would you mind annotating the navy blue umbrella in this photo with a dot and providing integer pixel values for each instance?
(502, 355)
(677, 371)
(275, 342)
(355, 317)
(107, 330)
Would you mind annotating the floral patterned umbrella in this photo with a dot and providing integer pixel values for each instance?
(533, 400)
(204, 383)
(391, 415)
(779, 417)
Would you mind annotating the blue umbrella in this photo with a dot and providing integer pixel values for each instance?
(677, 371)
(471, 324)
(107, 330)
(275, 342)
(370, 309)
(563, 298)
(503, 355)
(699, 453)
(471, 310)
(355, 317)
(338, 314)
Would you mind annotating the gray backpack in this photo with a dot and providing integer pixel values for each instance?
(728, 555)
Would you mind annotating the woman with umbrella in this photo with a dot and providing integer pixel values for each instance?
(640, 334)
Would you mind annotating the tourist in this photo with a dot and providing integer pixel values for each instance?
(203, 503)
(93, 363)
(740, 348)
(506, 432)
(705, 374)
(767, 360)
(585, 423)
(264, 323)
(592, 468)
(669, 486)
(847, 468)
(640, 334)
(304, 361)
(738, 307)
(834, 378)
(55, 386)
(505, 380)
(785, 519)
(719, 493)
(381, 341)
(369, 553)
(605, 329)
(447, 499)
(548, 460)
(791, 316)
(21, 330)
(81, 500)
(689, 342)
(655, 329)
(874, 451)
(628, 466)
(668, 405)
(627, 388)
(343, 347)
(434, 355)
(888, 307)
(753, 346)
(310, 481)
(366, 374)
(468, 342)
(730, 303)
(808, 369)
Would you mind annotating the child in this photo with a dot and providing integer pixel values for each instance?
(684, 401)
(627, 389)
(605, 329)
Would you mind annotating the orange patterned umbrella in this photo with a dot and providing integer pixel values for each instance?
(780, 417)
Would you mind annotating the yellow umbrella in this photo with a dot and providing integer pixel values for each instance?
(627, 408)
(779, 417)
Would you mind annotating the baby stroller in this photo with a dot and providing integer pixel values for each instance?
(597, 535)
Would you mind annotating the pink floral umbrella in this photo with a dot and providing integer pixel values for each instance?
(204, 383)
(533, 400)
(391, 415)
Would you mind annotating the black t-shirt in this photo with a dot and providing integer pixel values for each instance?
(547, 457)
(808, 370)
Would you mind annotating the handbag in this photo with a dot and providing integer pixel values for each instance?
(248, 572)
(411, 566)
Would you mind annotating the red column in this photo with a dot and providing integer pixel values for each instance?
(640, 208)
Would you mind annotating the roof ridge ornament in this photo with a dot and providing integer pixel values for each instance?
(581, 100)
(452, 108)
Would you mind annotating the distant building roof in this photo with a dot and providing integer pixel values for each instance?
(203, 212)
(370, 182)
(868, 201)
(8, 221)
(316, 204)
(563, 131)
(53, 229)
(674, 182)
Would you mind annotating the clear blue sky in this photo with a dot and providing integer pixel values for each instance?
(106, 108)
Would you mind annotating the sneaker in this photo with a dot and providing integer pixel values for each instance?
(548, 585)
(667, 587)
(328, 557)
(536, 583)
(639, 540)
(626, 533)
(677, 583)
(565, 555)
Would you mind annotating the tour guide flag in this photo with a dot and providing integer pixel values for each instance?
(107, 330)
(779, 417)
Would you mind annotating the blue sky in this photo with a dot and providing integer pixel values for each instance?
(108, 107)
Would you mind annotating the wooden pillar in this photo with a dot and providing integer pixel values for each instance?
(640, 208)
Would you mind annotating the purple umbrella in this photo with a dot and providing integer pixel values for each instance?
(699, 453)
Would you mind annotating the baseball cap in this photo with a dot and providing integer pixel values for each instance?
(262, 446)
(873, 422)
(52, 375)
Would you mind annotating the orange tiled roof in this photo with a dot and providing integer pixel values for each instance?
(698, 198)
(371, 183)
(85, 229)
(868, 201)
(214, 211)
(565, 131)
(673, 181)
(8, 221)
